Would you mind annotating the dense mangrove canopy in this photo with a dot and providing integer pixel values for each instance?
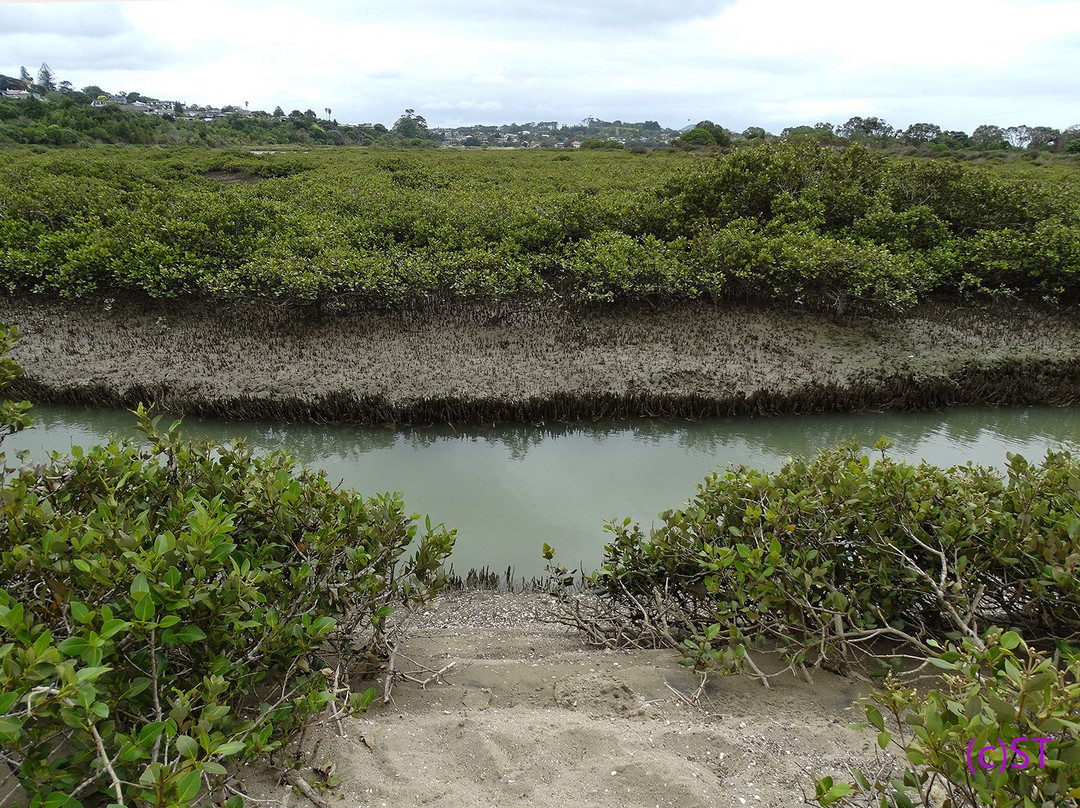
(796, 222)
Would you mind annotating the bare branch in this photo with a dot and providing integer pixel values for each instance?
(117, 787)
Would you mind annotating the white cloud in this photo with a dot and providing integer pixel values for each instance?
(771, 63)
(918, 33)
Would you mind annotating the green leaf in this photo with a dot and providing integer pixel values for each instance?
(92, 674)
(188, 785)
(145, 609)
(80, 612)
(139, 586)
(229, 748)
(57, 799)
(73, 646)
(361, 701)
(6, 700)
(190, 634)
(12, 618)
(1009, 640)
(43, 641)
(186, 745)
(111, 627)
(151, 732)
(840, 790)
(138, 685)
(937, 662)
(902, 800)
(10, 726)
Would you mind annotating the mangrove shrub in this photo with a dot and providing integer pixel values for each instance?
(834, 551)
(14, 415)
(852, 564)
(172, 605)
(1002, 729)
(799, 223)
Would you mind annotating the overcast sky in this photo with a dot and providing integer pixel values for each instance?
(740, 63)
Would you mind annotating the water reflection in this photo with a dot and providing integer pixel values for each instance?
(509, 489)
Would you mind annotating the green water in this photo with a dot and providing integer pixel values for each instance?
(509, 489)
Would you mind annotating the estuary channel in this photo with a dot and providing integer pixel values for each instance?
(508, 489)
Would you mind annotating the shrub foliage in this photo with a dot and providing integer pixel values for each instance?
(798, 222)
(837, 560)
(14, 415)
(1002, 729)
(171, 605)
(832, 552)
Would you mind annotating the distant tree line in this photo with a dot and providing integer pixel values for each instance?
(591, 133)
(57, 114)
(922, 137)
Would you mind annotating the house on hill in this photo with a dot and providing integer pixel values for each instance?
(113, 98)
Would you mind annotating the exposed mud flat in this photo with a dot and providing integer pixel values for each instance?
(488, 363)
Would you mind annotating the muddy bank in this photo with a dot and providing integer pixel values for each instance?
(498, 363)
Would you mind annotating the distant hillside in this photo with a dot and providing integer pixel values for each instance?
(33, 116)
(48, 113)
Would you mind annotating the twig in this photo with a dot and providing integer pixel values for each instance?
(940, 587)
(294, 779)
(157, 703)
(681, 696)
(108, 765)
(337, 691)
(749, 660)
(701, 687)
(12, 765)
(79, 789)
(246, 797)
(389, 678)
(11, 793)
(434, 677)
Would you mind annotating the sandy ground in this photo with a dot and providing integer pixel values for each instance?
(529, 715)
(241, 358)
